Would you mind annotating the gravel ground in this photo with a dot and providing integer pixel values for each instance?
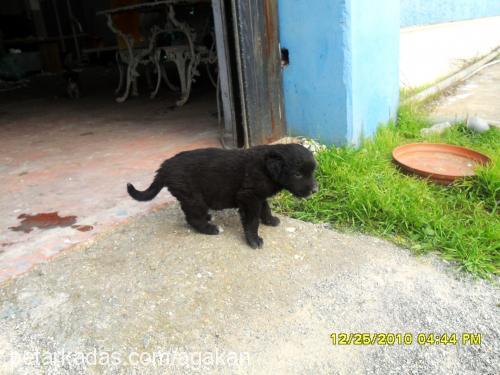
(153, 297)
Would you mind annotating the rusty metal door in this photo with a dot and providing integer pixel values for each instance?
(259, 70)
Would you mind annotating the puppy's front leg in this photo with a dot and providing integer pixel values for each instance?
(266, 215)
(250, 208)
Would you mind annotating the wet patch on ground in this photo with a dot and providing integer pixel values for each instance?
(46, 220)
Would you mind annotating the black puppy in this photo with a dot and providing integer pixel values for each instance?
(217, 179)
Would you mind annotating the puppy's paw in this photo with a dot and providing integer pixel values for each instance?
(207, 228)
(272, 221)
(211, 229)
(255, 242)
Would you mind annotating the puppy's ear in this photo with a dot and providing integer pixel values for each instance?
(274, 164)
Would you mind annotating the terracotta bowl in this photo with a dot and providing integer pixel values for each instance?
(442, 163)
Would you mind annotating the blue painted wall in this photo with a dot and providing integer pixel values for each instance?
(375, 65)
(317, 81)
(343, 77)
(421, 12)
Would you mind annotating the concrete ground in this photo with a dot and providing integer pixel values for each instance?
(65, 163)
(479, 95)
(432, 52)
(153, 297)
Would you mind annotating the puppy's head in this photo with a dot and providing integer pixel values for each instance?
(292, 167)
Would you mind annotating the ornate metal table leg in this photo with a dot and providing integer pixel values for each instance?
(158, 73)
(135, 92)
(186, 74)
(209, 58)
(180, 62)
(128, 82)
(119, 63)
(130, 61)
(191, 72)
(132, 74)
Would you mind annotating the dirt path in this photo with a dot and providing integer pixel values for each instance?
(152, 287)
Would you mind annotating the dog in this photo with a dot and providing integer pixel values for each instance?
(217, 179)
(72, 79)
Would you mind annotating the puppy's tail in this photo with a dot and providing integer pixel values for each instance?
(147, 194)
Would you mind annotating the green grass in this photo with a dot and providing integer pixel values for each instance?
(363, 190)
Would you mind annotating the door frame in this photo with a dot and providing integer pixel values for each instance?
(252, 96)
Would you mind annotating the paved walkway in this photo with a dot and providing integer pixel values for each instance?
(154, 297)
(432, 52)
(479, 95)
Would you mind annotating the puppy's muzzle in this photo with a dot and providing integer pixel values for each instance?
(306, 193)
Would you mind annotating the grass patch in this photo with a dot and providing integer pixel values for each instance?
(362, 189)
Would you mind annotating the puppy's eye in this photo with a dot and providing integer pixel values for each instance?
(297, 175)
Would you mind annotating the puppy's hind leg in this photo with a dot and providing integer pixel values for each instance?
(197, 216)
(267, 217)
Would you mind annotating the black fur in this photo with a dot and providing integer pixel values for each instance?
(217, 179)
